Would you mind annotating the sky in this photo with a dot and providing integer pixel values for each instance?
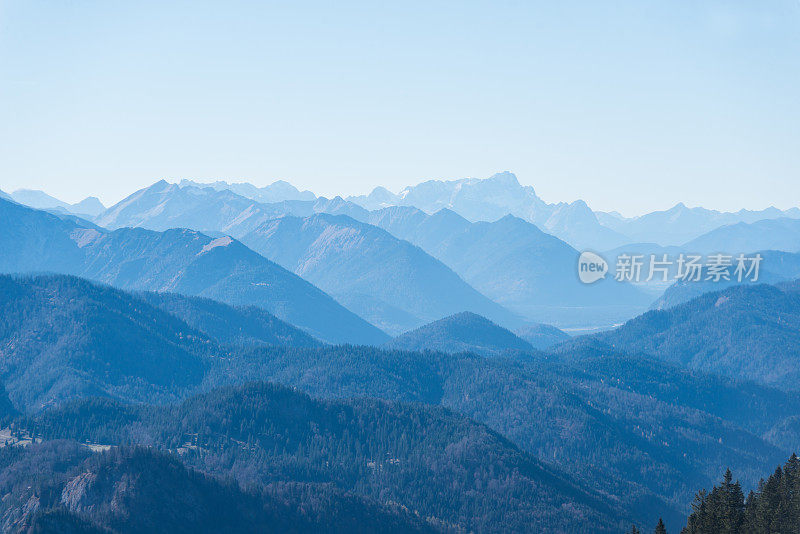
(630, 105)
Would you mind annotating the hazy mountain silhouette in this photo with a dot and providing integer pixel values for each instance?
(497, 196)
(772, 234)
(386, 280)
(278, 191)
(88, 207)
(680, 223)
(179, 261)
(510, 261)
(370, 271)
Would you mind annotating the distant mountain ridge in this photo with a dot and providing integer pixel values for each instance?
(501, 194)
(776, 267)
(513, 275)
(480, 200)
(495, 197)
(386, 280)
(277, 191)
(179, 261)
(771, 234)
(90, 206)
(371, 271)
(680, 224)
(164, 205)
(512, 262)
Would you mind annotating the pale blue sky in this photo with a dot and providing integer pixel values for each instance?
(631, 105)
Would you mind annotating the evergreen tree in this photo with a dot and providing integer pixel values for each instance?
(660, 528)
(772, 509)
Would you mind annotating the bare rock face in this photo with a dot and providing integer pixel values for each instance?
(73, 496)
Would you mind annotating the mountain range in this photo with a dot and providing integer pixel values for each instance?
(293, 437)
(77, 354)
(204, 337)
(516, 264)
(477, 200)
(63, 336)
(495, 197)
(388, 281)
(509, 261)
(773, 234)
(278, 191)
(501, 194)
(681, 224)
(178, 261)
(163, 205)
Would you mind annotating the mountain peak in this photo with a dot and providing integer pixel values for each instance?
(381, 194)
(160, 186)
(462, 332)
(90, 206)
(506, 178)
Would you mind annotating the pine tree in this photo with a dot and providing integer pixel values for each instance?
(660, 528)
(773, 509)
(731, 505)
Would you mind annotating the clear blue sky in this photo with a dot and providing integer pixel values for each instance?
(631, 105)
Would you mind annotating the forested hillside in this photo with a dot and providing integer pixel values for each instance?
(60, 486)
(242, 325)
(64, 337)
(746, 332)
(463, 332)
(611, 429)
(630, 428)
(428, 460)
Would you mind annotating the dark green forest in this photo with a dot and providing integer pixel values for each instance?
(583, 438)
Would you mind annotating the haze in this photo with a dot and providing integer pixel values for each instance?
(632, 106)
